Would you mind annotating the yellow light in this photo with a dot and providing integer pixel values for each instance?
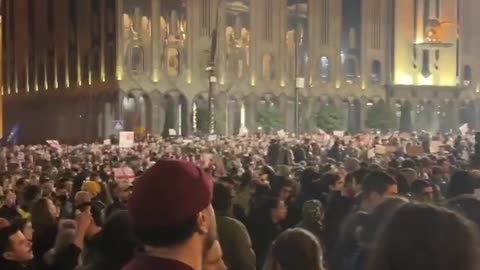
(189, 77)
(425, 81)
(56, 84)
(222, 80)
(252, 80)
(404, 79)
(102, 76)
(364, 85)
(337, 84)
(119, 73)
(36, 87)
(477, 90)
(155, 77)
(282, 83)
(89, 77)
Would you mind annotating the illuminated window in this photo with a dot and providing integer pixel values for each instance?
(467, 75)
(324, 69)
(173, 62)
(350, 69)
(376, 72)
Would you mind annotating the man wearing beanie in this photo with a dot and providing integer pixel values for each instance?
(171, 214)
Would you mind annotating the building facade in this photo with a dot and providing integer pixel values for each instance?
(72, 68)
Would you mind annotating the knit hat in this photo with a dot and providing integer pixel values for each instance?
(169, 193)
(92, 187)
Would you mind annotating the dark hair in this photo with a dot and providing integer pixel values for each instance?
(437, 170)
(5, 234)
(468, 206)
(295, 249)
(32, 193)
(421, 236)
(377, 182)
(42, 219)
(418, 186)
(408, 164)
(167, 236)
(19, 223)
(331, 178)
(222, 197)
(359, 175)
(378, 217)
(461, 183)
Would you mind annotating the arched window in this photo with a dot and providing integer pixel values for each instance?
(350, 69)
(467, 75)
(376, 72)
(324, 69)
(267, 67)
(173, 64)
(137, 62)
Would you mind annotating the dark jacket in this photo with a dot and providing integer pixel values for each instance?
(235, 242)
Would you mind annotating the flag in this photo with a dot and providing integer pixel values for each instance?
(12, 136)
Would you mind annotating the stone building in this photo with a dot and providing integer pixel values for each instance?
(72, 67)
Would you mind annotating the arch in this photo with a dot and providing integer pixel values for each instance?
(200, 115)
(350, 69)
(176, 112)
(467, 75)
(268, 73)
(324, 69)
(128, 109)
(137, 60)
(376, 72)
(173, 62)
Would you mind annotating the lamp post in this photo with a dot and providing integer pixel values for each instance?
(212, 79)
(299, 81)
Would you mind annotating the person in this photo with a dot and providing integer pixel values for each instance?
(174, 220)
(115, 246)
(15, 249)
(122, 191)
(25, 226)
(44, 223)
(468, 206)
(214, 258)
(232, 234)
(461, 183)
(9, 209)
(312, 219)
(376, 186)
(422, 191)
(266, 225)
(439, 239)
(295, 249)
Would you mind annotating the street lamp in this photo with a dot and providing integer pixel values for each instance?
(212, 79)
(299, 81)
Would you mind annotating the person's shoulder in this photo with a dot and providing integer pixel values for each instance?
(145, 262)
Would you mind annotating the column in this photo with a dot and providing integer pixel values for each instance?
(120, 45)
(221, 114)
(158, 112)
(251, 113)
(156, 47)
(103, 35)
(363, 115)
(79, 44)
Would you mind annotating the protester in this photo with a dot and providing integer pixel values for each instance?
(15, 249)
(174, 220)
(214, 258)
(438, 240)
(295, 249)
(232, 234)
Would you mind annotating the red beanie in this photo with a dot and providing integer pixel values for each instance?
(169, 193)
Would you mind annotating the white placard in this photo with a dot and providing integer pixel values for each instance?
(339, 133)
(281, 133)
(172, 132)
(464, 129)
(212, 138)
(126, 139)
(107, 142)
(300, 82)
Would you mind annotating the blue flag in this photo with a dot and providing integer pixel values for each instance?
(13, 135)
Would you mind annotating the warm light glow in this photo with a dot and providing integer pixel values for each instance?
(179, 119)
(477, 90)
(194, 124)
(155, 77)
(425, 81)
(36, 87)
(282, 83)
(404, 79)
(189, 77)
(242, 115)
(252, 80)
(56, 83)
(102, 76)
(119, 72)
(89, 77)
(337, 84)
(222, 80)
(364, 85)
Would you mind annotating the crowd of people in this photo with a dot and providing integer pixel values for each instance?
(362, 202)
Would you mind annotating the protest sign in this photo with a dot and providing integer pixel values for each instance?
(435, 147)
(339, 133)
(415, 150)
(123, 174)
(380, 150)
(126, 139)
(172, 132)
